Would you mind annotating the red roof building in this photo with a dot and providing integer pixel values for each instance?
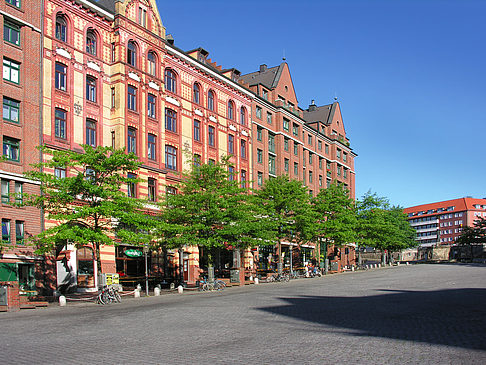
(441, 223)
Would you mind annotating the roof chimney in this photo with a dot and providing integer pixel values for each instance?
(312, 106)
(263, 68)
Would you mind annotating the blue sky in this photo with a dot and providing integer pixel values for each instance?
(410, 77)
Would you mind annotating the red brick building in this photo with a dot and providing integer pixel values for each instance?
(20, 133)
(441, 223)
(309, 145)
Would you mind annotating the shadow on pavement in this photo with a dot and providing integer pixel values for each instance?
(445, 317)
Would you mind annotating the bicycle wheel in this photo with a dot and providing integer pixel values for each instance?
(117, 297)
(99, 299)
(210, 286)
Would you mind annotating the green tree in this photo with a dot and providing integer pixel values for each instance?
(211, 211)
(87, 202)
(474, 235)
(336, 216)
(286, 204)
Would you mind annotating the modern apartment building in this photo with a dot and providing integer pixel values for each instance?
(441, 223)
(20, 135)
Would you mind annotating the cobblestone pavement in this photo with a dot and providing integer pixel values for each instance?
(423, 314)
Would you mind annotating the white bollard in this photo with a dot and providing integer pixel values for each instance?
(62, 301)
(379, 266)
(352, 268)
(180, 289)
(256, 281)
(157, 292)
(136, 293)
(398, 263)
(139, 287)
(251, 277)
(408, 263)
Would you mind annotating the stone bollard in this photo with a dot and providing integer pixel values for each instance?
(157, 291)
(256, 281)
(136, 293)
(398, 263)
(180, 289)
(139, 287)
(379, 266)
(62, 301)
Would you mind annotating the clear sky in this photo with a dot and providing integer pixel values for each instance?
(410, 77)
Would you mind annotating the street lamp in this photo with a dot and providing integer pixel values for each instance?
(145, 251)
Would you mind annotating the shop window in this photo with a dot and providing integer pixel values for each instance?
(85, 258)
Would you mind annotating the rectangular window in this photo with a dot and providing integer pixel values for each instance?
(327, 148)
(345, 157)
(345, 173)
(113, 52)
(310, 177)
(132, 140)
(142, 17)
(152, 147)
(269, 118)
(11, 71)
(11, 148)
(243, 149)
(231, 144)
(286, 144)
(295, 130)
(271, 164)
(132, 98)
(91, 89)
(11, 110)
(265, 94)
(296, 169)
(260, 178)
(132, 186)
(91, 133)
(19, 232)
(259, 134)
(61, 77)
(320, 180)
(319, 145)
(296, 149)
(113, 104)
(320, 163)
(231, 173)
(151, 105)
(60, 123)
(328, 183)
(15, 3)
(286, 124)
(258, 112)
(5, 191)
(171, 157)
(152, 192)
(309, 139)
(211, 136)
(19, 192)
(271, 143)
(197, 130)
(338, 153)
(259, 156)
(286, 165)
(339, 170)
(11, 33)
(6, 231)
(59, 173)
(310, 158)
(171, 120)
(243, 179)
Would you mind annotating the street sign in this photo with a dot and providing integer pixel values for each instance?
(133, 253)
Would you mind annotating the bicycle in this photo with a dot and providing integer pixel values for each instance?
(108, 295)
(204, 285)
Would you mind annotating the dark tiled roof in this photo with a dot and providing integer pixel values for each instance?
(319, 113)
(269, 78)
(108, 5)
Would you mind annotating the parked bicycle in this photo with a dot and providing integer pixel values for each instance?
(107, 295)
(217, 284)
(278, 277)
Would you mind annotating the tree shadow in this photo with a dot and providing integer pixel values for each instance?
(444, 317)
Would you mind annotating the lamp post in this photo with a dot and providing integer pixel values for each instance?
(145, 251)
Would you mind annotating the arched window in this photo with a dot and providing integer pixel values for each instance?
(243, 116)
(132, 54)
(91, 42)
(61, 28)
(152, 69)
(231, 110)
(211, 100)
(196, 96)
(170, 80)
